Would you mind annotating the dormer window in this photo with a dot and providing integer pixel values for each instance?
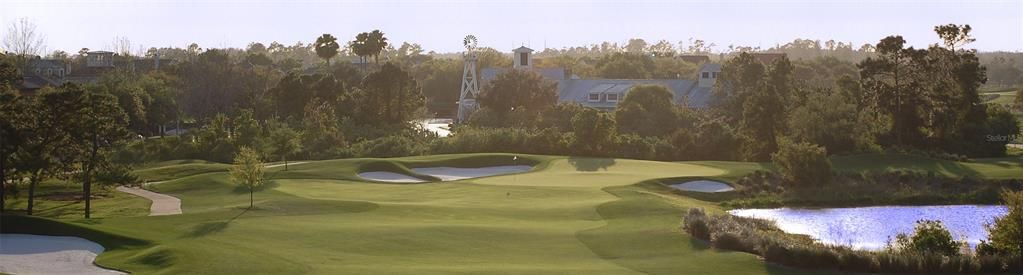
(594, 97)
(612, 97)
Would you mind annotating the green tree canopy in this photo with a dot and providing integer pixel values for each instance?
(1006, 233)
(647, 110)
(326, 47)
(625, 66)
(390, 96)
(519, 89)
(248, 171)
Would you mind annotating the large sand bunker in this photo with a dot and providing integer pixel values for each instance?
(456, 173)
(389, 177)
(704, 186)
(37, 254)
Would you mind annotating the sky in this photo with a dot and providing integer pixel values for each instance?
(440, 25)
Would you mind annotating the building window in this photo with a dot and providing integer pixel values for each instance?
(594, 97)
(524, 59)
(714, 75)
(612, 97)
(706, 75)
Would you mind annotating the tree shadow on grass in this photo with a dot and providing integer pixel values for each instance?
(207, 228)
(158, 258)
(269, 184)
(590, 164)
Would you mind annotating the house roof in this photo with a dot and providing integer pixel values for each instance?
(46, 63)
(578, 90)
(710, 67)
(100, 52)
(699, 97)
(522, 49)
(34, 82)
(549, 73)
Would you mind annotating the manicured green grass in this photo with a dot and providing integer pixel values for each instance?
(177, 169)
(569, 215)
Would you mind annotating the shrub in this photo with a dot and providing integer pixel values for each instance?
(858, 261)
(730, 241)
(929, 236)
(1006, 232)
(695, 223)
(392, 146)
(802, 163)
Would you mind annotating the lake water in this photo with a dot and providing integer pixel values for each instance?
(872, 227)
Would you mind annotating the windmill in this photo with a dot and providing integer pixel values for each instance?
(470, 83)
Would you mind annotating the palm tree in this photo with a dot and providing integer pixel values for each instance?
(359, 46)
(376, 43)
(326, 47)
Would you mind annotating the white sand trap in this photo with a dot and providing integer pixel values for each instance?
(455, 173)
(389, 177)
(705, 186)
(37, 254)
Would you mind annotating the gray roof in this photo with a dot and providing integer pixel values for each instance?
(46, 63)
(522, 49)
(578, 90)
(710, 67)
(549, 73)
(699, 97)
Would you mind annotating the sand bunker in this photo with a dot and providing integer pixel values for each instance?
(705, 186)
(455, 173)
(37, 254)
(389, 177)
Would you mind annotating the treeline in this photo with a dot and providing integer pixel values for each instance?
(904, 99)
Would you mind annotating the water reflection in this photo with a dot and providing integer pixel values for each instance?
(872, 227)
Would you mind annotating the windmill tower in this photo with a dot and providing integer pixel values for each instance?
(470, 83)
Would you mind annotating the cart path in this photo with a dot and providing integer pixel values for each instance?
(162, 204)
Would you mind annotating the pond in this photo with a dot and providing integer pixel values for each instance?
(872, 227)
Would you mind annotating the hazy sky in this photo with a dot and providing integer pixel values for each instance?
(440, 25)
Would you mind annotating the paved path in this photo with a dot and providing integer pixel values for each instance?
(162, 204)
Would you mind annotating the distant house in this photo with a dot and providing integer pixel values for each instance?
(55, 72)
(99, 59)
(605, 94)
(41, 73)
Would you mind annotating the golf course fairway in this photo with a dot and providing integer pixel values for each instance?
(566, 216)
